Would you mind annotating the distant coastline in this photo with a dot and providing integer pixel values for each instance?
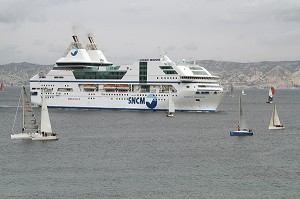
(280, 74)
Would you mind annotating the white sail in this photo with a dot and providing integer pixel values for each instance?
(275, 118)
(45, 120)
(270, 93)
(243, 92)
(242, 121)
(29, 121)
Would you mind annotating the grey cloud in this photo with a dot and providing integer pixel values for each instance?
(8, 51)
(289, 15)
(170, 48)
(191, 47)
(18, 11)
(134, 8)
(37, 42)
(257, 11)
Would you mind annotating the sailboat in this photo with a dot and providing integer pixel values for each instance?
(30, 126)
(171, 110)
(243, 92)
(46, 130)
(275, 123)
(1, 86)
(242, 129)
(271, 93)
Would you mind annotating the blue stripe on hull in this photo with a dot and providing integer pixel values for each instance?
(241, 133)
(128, 109)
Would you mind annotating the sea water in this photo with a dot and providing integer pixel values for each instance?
(132, 154)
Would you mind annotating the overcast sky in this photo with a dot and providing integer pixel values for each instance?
(39, 31)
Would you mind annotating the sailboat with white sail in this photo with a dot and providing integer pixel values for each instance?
(171, 110)
(275, 123)
(243, 92)
(46, 130)
(242, 129)
(271, 94)
(30, 125)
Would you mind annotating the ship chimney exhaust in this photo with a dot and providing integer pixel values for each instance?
(75, 38)
(91, 39)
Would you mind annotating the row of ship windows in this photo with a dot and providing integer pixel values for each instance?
(188, 77)
(139, 95)
(167, 77)
(127, 99)
(202, 86)
(48, 97)
(47, 85)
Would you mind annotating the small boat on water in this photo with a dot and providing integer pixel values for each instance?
(271, 94)
(171, 110)
(30, 125)
(242, 129)
(30, 129)
(1, 86)
(46, 129)
(243, 92)
(275, 123)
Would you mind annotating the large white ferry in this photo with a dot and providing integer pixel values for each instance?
(83, 78)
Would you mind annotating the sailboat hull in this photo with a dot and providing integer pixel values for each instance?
(276, 127)
(40, 137)
(241, 133)
(20, 136)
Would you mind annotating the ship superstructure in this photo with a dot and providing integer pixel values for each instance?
(83, 78)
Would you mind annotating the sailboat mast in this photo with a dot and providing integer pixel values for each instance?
(12, 130)
(240, 110)
(23, 98)
(273, 115)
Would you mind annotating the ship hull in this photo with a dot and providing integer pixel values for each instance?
(184, 101)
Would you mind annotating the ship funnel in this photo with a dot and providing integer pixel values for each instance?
(91, 39)
(75, 38)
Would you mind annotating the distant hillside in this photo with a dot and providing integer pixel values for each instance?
(19, 73)
(281, 74)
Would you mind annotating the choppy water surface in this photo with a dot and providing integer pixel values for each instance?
(123, 154)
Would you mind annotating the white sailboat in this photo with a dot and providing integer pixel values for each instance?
(29, 126)
(242, 129)
(243, 92)
(275, 123)
(171, 110)
(46, 129)
(271, 94)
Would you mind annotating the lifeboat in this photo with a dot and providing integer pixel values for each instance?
(109, 86)
(122, 86)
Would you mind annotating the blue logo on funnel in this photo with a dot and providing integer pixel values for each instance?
(151, 101)
(74, 52)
